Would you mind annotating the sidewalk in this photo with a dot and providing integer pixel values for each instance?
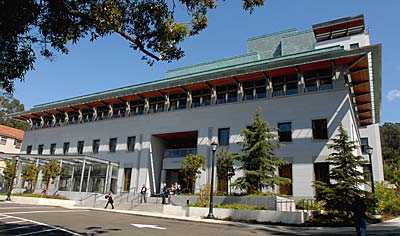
(391, 227)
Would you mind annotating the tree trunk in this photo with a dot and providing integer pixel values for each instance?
(47, 186)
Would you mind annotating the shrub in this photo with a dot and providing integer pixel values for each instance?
(388, 200)
(231, 206)
(309, 205)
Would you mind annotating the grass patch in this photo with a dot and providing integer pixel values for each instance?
(38, 195)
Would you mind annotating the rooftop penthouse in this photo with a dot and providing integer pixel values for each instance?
(287, 63)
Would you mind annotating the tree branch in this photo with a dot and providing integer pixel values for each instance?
(138, 44)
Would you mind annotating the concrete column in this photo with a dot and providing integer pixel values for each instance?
(72, 179)
(59, 177)
(88, 178)
(240, 92)
(300, 82)
(82, 175)
(213, 95)
(106, 180)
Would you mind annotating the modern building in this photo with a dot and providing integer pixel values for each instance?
(305, 82)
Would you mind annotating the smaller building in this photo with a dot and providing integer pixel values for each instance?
(10, 142)
(10, 139)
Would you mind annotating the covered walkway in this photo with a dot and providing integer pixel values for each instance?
(80, 173)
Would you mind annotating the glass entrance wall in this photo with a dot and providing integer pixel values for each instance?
(94, 175)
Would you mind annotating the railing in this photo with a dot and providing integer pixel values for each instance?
(122, 194)
(285, 205)
(136, 198)
(94, 195)
(173, 153)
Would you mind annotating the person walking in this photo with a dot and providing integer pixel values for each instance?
(143, 193)
(109, 200)
(163, 192)
(360, 222)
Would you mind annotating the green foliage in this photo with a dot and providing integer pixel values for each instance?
(50, 172)
(259, 162)
(191, 168)
(309, 205)
(390, 139)
(30, 174)
(9, 105)
(388, 200)
(148, 25)
(38, 195)
(346, 179)
(231, 206)
(225, 168)
(9, 173)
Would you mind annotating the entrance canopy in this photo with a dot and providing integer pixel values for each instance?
(80, 173)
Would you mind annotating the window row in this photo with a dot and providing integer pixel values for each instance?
(112, 146)
(319, 130)
(228, 93)
(17, 143)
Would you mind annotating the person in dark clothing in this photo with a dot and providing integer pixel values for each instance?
(143, 193)
(109, 200)
(360, 221)
(164, 193)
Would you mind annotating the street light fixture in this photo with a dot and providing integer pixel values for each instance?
(10, 188)
(214, 146)
(369, 151)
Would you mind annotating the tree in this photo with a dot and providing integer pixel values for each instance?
(50, 172)
(390, 138)
(225, 168)
(191, 168)
(9, 173)
(9, 105)
(148, 25)
(259, 162)
(345, 176)
(30, 174)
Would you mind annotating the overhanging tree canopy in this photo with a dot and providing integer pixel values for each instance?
(148, 25)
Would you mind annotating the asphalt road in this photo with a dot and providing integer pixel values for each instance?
(18, 220)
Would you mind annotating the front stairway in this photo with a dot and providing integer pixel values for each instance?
(124, 201)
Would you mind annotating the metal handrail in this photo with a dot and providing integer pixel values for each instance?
(87, 197)
(135, 197)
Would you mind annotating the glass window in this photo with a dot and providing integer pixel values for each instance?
(112, 144)
(364, 145)
(320, 129)
(3, 140)
(52, 148)
(17, 143)
(80, 147)
(66, 148)
(131, 144)
(354, 45)
(95, 146)
(285, 132)
(29, 149)
(223, 137)
(285, 171)
(40, 149)
(321, 172)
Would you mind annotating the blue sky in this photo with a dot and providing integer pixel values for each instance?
(109, 63)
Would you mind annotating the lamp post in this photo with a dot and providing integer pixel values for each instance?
(369, 151)
(10, 188)
(214, 146)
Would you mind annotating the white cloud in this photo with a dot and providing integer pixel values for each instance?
(393, 94)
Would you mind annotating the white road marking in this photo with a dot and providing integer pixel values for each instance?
(44, 224)
(5, 217)
(148, 226)
(33, 212)
(20, 227)
(14, 222)
(41, 231)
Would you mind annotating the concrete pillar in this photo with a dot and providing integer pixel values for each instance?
(59, 177)
(88, 178)
(82, 175)
(106, 180)
(72, 179)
